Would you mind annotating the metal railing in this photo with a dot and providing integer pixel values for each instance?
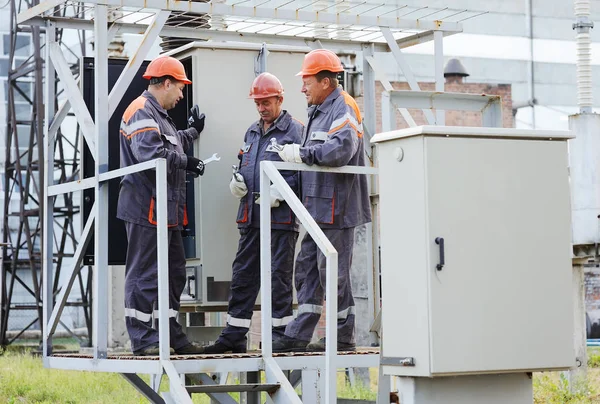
(269, 173)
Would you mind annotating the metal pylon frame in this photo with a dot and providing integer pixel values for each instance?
(24, 171)
(361, 26)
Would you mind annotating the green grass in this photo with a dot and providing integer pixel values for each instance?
(24, 380)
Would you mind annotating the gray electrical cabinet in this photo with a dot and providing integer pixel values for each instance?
(475, 251)
(222, 74)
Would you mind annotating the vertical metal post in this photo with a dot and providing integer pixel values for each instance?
(260, 64)
(48, 218)
(311, 392)
(370, 118)
(388, 113)
(331, 309)
(100, 328)
(265, 264)
(370, 127)
(438, 44)
(162, 234)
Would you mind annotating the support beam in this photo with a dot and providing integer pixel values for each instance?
(162, 259)
(286, 393)
(406, 70)
(435, 100)
(84, 240)
(100, 303)
(202, 379)
(134, 62)
(74, 95)
(143, 388)
(177, 389)
(438, 45)
(60, 117)
(72, 186)
(48, 179)
(387, 86)
(267, 11)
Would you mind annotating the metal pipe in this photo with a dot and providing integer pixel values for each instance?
(583, 25)
(530, 68)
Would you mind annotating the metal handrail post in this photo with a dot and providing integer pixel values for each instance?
(162, 241)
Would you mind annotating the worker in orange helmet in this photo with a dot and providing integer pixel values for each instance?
(337, 202)
(274, 122)
(147, 133)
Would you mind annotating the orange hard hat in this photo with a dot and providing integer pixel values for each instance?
(166, 66)
(318, 60)
(265, 85)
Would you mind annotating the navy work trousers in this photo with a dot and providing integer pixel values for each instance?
(141, 287)
(245, 284)
(310, 286)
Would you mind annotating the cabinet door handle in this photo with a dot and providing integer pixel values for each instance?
(440, 241)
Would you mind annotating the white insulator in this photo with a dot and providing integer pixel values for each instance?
(584, 70)
(582, 8)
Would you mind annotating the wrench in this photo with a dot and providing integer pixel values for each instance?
(214, 157)
(236, 174)
(275, 145)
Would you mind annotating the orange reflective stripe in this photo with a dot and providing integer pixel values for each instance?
(151, 212)
(135, 106)
(351, 102)
(139, 131)
(185, 217)
(346, 122)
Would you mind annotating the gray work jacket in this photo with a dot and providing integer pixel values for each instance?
(333, 138)
(257, 147)
(148, 132)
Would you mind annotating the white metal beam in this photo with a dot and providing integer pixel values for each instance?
(48, 201)
(438, 44)
(60, 116)
(451, 101)
(72, 186)
(100, 302)
(406, 70)
(73, 270)
(74, 95)
(177, 389)
(388, 87)
(268, 12)
(162, 258)
(134, 62)
(37, 10)
(286, 393)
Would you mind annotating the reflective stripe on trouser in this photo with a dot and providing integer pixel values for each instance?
(310, 286)
(245, 284)
(141, 287)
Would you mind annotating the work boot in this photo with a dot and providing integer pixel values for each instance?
(287, 344)
(151, 350)
(220, 348)
(190, 349)
(319, 346)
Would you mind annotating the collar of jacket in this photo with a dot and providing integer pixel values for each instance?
(155, 103)
(326, 105)
(282, 122)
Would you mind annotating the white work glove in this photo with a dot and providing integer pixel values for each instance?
(290, 153)
(237, 186)
(276, 197)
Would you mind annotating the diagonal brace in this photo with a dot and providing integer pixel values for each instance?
(406, 70)
(134, 63)
(86, 236)
(74, 95)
